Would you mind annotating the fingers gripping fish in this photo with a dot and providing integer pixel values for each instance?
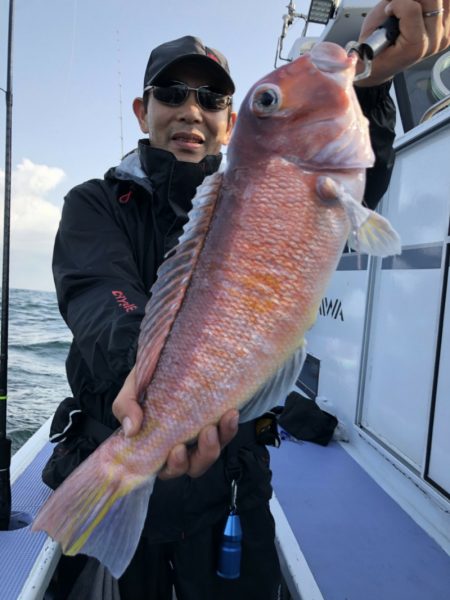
(226, 322)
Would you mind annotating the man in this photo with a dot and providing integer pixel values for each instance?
(113, 235)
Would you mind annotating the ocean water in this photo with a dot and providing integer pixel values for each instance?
(38, 345)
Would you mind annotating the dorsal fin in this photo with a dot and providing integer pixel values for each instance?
(173, 278)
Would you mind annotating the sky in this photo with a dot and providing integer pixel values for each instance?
(78, 64)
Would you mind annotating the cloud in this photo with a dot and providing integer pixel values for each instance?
(34, 221)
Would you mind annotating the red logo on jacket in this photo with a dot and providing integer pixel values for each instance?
(125, 198)
(122, 301)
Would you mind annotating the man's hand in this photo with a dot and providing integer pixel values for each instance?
(193, 462)
(420, 36)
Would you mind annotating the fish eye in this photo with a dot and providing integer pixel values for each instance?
(266, 100)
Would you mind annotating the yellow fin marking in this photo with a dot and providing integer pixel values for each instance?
(77, 546)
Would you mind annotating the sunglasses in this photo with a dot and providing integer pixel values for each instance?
(177, 92)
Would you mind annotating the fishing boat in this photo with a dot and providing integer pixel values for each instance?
(366, 517)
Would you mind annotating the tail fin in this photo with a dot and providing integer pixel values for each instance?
(98, 512)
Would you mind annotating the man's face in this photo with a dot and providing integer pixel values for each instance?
(188, 131)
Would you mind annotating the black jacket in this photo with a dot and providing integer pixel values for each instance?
(379, 108)
(112, 237)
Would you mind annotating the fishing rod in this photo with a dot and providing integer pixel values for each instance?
(5, 443)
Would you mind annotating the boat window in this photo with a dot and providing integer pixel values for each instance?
(421, 86)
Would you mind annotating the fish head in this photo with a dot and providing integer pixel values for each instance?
(307, 113)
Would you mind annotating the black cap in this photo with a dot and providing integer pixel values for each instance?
(189, 49)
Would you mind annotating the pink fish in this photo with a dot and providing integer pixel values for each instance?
(226, 322)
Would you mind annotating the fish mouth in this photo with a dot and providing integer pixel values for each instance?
(331, 58)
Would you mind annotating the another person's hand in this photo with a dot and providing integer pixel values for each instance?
(181, 460)
(420, 35)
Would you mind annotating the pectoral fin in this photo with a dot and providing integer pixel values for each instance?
(370, 232)
(374, 235)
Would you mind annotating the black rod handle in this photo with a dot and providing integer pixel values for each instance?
(5, 484)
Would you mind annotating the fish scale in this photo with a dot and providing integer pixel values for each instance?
(240, 312)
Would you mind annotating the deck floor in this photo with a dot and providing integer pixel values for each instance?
(19, 548)
(359, 544)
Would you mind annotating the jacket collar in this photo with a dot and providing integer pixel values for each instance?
(171, 182)
(144, 164)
